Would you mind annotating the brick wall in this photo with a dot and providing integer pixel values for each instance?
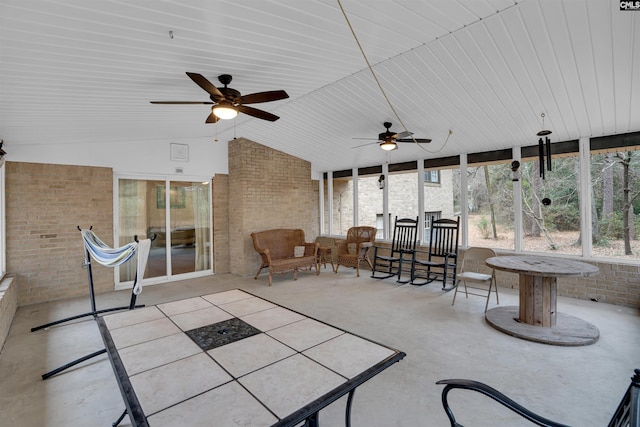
(8, 306)
(264, 189)
(45, 203)
(267, 189)
(615, 283)
(221, 224)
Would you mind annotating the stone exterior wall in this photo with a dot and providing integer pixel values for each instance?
(44, 206)
(403, 199)
(267, 189)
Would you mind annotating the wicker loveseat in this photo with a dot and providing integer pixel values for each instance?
(277, 251)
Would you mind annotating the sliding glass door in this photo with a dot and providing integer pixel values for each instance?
(190, 214)
(177, 216)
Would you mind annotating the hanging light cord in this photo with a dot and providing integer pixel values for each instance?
(384, 94)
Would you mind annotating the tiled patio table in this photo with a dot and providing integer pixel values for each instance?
(232, 358)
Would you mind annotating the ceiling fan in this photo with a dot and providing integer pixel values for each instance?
(388, 139)
(228, 102)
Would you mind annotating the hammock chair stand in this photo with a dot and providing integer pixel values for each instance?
(132, 305)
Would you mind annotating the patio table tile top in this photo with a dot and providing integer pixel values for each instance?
(233, 359)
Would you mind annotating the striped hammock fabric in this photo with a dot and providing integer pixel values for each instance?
(113, 257)
(110, 257)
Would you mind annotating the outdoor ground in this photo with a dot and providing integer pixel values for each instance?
(565, 242)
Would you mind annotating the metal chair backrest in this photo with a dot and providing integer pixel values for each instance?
(444, 237)
(628, 412)
(477, 254)
(405, 235)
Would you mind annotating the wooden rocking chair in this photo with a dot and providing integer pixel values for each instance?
(442, 258)
(403, 247)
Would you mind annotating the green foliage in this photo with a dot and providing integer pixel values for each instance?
(563, 217)
(611, 226)
(560, 186)
(483, 226)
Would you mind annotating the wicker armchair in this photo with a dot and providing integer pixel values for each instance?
(355, 248)
(277, 249)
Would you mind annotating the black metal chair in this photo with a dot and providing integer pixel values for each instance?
(442, 259)
(402, 250)
(626, 415)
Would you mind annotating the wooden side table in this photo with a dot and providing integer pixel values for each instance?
(324, 256)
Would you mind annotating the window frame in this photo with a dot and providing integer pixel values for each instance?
(582, 148)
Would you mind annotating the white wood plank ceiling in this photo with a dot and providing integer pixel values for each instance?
(85, 71)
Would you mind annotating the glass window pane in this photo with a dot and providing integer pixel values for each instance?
(490, 198)
(403, 196)
(550, 207)
(615, 179)
(189, 212)
(370, 203)
(3, 241)
(440, 196)
(143, 208)
(325, 228)
(342, 205)
(139, 215)
(429, 217)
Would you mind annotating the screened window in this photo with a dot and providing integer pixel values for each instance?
(551, 206)
(370, 202)
(432, 176)
(427, 220)
(403, 196)
(615, 208)
(342, 205)
(3, 252)
(379, 226)
(490, 206)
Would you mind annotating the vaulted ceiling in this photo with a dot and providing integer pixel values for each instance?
(85, 71)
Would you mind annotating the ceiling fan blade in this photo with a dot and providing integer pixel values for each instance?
(258, 113)
(212, 118)
(181, 102)
(418, 140)
(402, 135)
(364, 145)
(206, 85)
(273, 95)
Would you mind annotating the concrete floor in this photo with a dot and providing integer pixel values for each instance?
(579, 386)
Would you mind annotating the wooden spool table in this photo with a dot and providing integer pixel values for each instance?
(537, 318)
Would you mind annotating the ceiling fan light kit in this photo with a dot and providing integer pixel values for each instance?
(225, 110)
(388, 145)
